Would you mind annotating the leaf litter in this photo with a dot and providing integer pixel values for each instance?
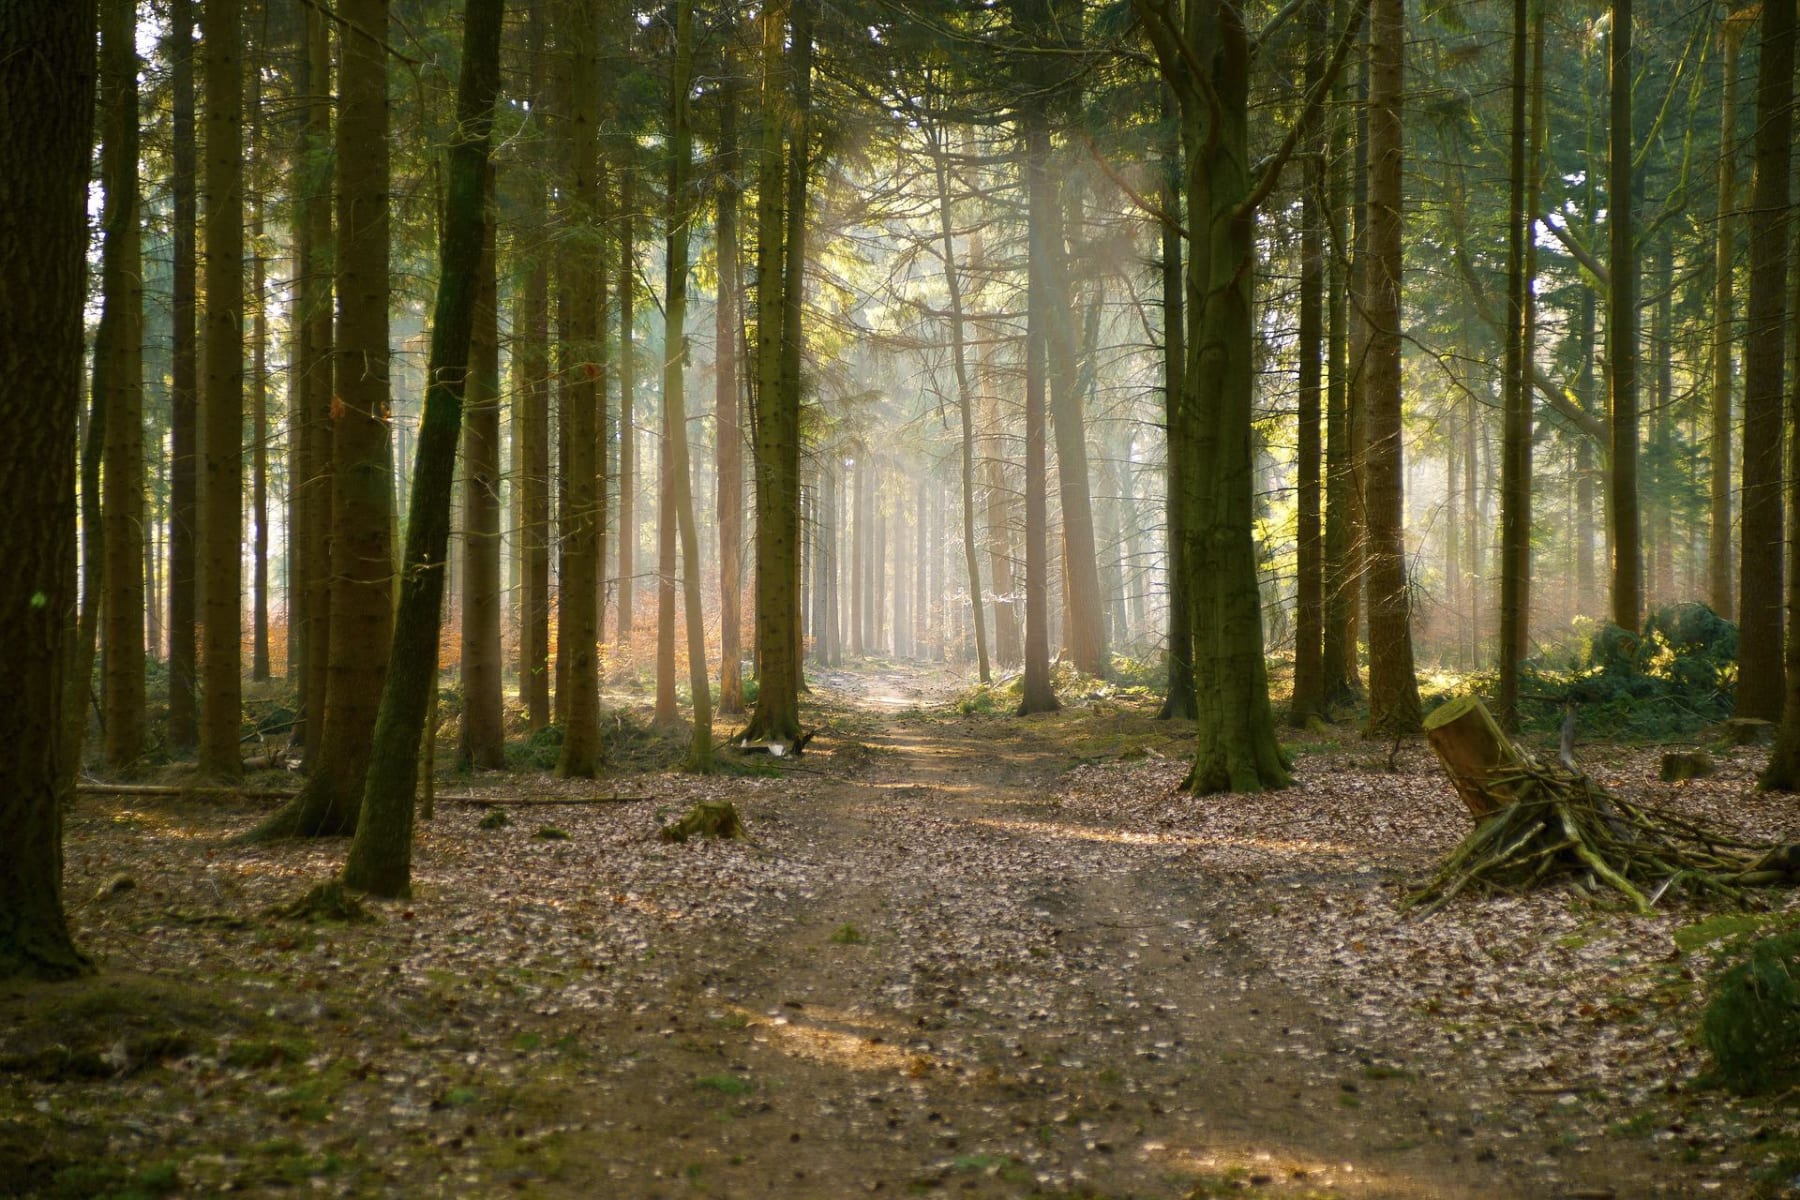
(1061, 982)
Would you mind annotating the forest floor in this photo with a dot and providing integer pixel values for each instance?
(963, 954)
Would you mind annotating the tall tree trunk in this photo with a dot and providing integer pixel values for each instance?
(313, 486)
(777, 714)
(628, 520)
(49, 52)
(118, 371)
(1760, 665)
(380, 859)
(362, 562)
(259, 396)
(1037, 693)
(531, 333)
(222, 436)
(1718, 536)
(1515, 453)
(577, 625)
(1338, 656)
(729, 434)
(1622, 335)
(1783, 770)
(482, 741)
(1393, 686)
(1309, 634)
(184, 390)
(965, 396)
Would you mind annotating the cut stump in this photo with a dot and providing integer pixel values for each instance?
(1481, 761)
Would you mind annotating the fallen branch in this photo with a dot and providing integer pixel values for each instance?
(1539, 824)
(214, 792)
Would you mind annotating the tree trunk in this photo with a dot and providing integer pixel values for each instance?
(380, 859)
(729, 432)
(1515, 453)
(118, 371)
(314, 482)
(1393, 686)
(259, 399)
(1309, 666)
(222, 436)
(777, 425)
(628, 520)
(362, 563)
(1718, 538)
(1622, 336)
(49, 52)
(1037, 693)
(531, 419)
(577, 625)
(1760, 685)
(184, 390)
(483, 733)
(1338, 657)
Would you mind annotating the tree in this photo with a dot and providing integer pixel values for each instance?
(1393, 685)
(184, 390)
(780, 245)
(362, 564)
(221, 430)
(482, 735)
(1622, 333)
(1178, 703)
(728, 430)
(1204, 55)
(1718, 538)
(118, 372)
(1760, 658)
(1309, 604)
(678, 478)
(531, 417)
(578, 615)
(49, 49)
(1515, 456)
(380, 859)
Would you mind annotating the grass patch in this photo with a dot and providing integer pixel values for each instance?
(725, 1084)
(848, 935)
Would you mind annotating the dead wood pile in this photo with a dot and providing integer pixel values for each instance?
(1539, 824)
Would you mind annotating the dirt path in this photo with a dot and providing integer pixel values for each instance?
(982, 995)
(941, 968)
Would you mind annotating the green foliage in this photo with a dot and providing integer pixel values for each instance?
(847, 935)
(538, 751)
(729, 1085)
(496, 819)
(1674, 679)
(550, 833)
(1752, 1023)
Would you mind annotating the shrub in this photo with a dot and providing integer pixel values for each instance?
(1752, 1022)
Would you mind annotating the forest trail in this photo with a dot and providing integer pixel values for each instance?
(947, 963)
(989, 996)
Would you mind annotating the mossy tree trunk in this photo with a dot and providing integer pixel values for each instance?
(184, 386)
(49, 49)
(729, 430)
(380, 859)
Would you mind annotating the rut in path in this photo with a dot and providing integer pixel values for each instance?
(971, 991)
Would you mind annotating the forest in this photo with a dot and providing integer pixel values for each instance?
(1068, 598)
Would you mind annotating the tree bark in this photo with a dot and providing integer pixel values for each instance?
(627, 290)
(1515, 453)
(577, 626)
(222, 437)
(1037, 693)
(1309, 665)
(1760, 685)
(483, 732)
(50, 74)
(184, 389)
(781, 188)
(729, 451)
(1718, 540)
(1622, 335)
(380, 859)
(531, 335)
(118, 371)
(362, 563)
(1393, 685)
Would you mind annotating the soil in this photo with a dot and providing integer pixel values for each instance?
(943, 963)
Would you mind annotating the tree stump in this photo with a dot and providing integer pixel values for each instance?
(1748, 731)
(1681, 766)
(1481, 761)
